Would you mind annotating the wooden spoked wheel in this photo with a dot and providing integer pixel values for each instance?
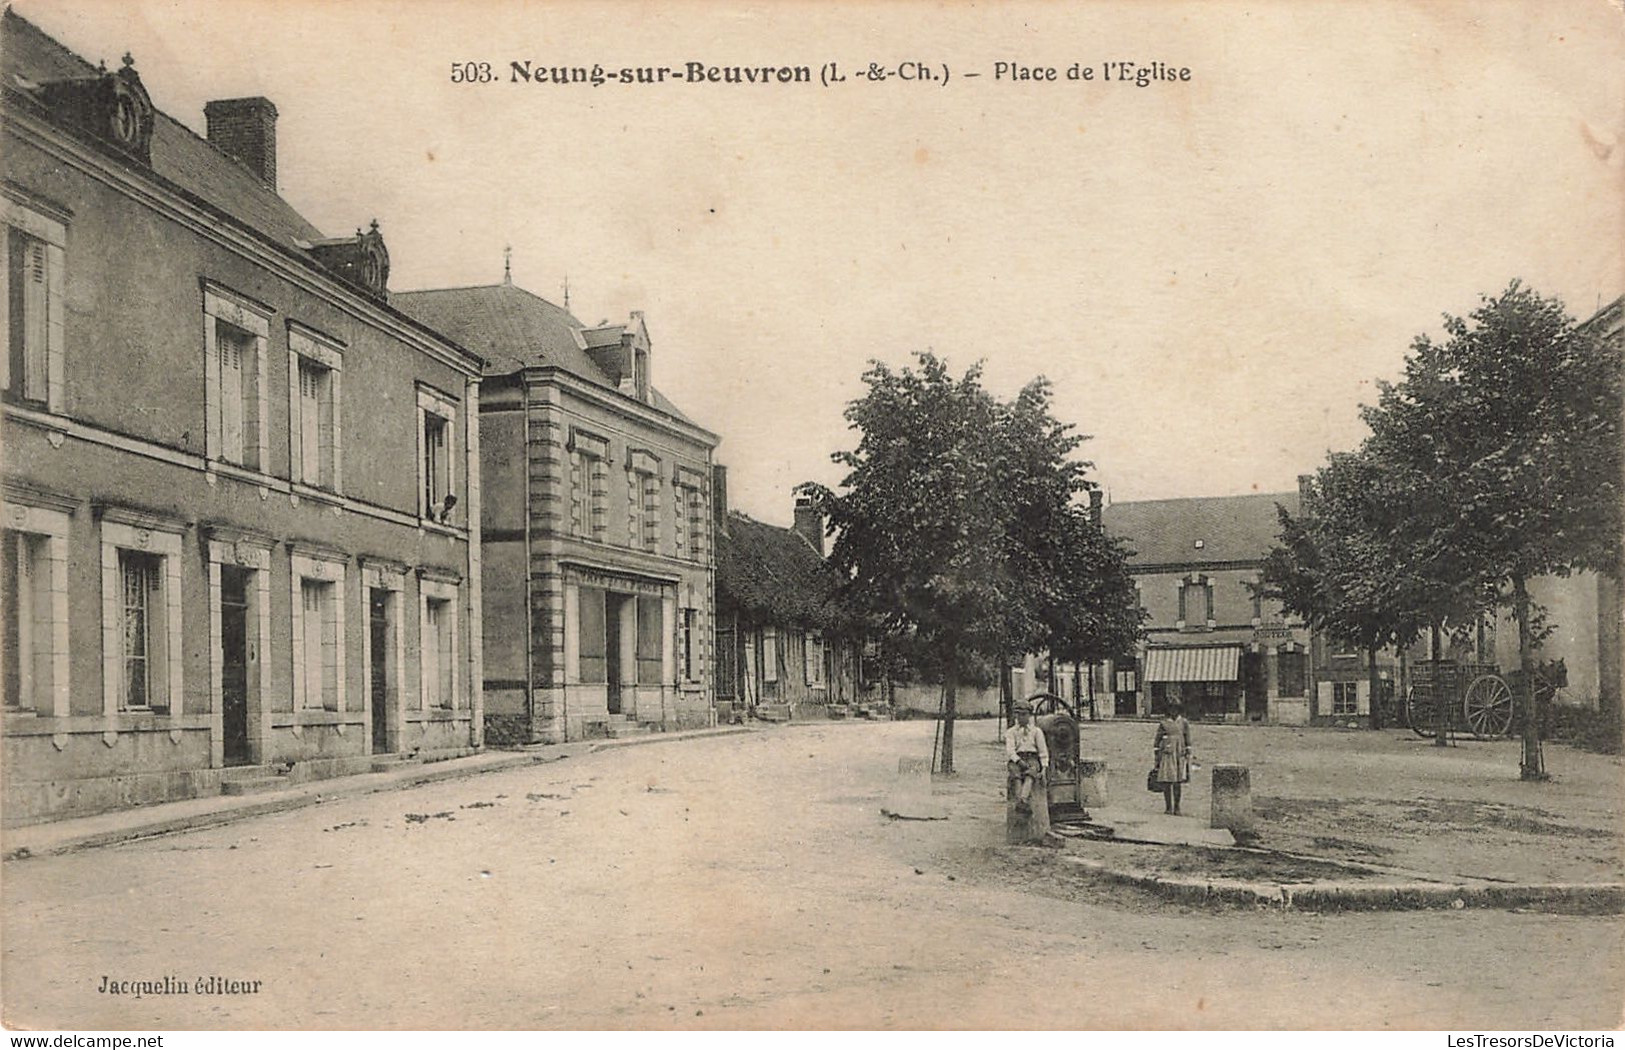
(1487, 706)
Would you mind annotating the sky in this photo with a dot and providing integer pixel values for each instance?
(1213, 272)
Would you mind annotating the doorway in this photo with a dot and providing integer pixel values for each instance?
(614, 666)
(234, 664)
(378, 686)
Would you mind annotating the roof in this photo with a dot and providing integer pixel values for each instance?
(772, 574)
(514, 328)
(1609, 321)
(1230, 528)
(179, 155)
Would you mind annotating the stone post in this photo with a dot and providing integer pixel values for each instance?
(1092, 782)
(1232, 798)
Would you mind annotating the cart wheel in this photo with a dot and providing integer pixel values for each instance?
(1487, 704)
(1419, 713)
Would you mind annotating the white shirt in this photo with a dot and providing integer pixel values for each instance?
(1019, 738)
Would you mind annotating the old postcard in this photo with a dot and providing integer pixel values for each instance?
(606, 516)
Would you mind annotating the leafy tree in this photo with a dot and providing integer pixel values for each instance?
(1510, 429)
(955, 520)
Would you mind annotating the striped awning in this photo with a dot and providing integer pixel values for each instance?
(1205, 664)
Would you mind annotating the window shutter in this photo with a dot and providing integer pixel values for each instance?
(310, 425)
(36, 295)
(230, 354)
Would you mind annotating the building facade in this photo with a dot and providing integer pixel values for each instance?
(1211, 641)
(221, 556)
(596, 523)
(777, 655)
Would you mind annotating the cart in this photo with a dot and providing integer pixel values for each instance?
(1473, 698)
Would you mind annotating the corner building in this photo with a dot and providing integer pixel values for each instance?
(227, 557)
(596, 524)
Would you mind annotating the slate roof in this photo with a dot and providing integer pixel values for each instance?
(1231, 528)
(179, 155)
(513, 329)
(771, 574)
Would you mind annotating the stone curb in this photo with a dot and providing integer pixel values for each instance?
(58, 837)
(669, 738)
(1596, 897)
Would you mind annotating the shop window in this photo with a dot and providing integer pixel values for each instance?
(590, 608)
(1291, 673)
(649, 639)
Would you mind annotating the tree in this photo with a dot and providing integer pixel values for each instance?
(1344, 562)
(1513, 423)
(956, 519)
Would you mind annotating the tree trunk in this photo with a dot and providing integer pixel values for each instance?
(1533, 766)
(1374, 686)
(1440, 708)
(950, 690)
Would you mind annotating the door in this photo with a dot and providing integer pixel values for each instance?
(1255, 686)
(614, 667)
(378, 687)
(234, 663)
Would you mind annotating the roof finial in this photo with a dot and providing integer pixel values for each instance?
(507, 264)
(129, 60)
(567, 292)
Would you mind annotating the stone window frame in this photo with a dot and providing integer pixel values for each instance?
(1183, 623)
(328, 567)
(644, 494)
(241, 550)
(439, 587)
(444, 407)
(589, 484)
(307, 344)
(48, 225)
(50, 519)
(220, 304)
(123, 530)
(688, 486)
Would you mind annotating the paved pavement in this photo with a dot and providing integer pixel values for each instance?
(740, 882)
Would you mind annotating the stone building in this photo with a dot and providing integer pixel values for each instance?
(227, 555)
(596, 523)
(779, 650)
(1210, 640)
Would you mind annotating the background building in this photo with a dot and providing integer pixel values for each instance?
(228, 463)
(596, 522)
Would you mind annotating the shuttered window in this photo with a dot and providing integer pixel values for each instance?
(28, 287)
(590, 609)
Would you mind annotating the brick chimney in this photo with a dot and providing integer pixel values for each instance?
(244, 129)
(719, 496)
(810, 523)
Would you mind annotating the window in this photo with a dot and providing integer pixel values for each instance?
(643, 500)
(1345, 698)
(25, 581)
(1195, 603)
(314, 432)
(813, 660)
(688, 642)
(434, 464)
(1291, 672)
(438, 664)
(689, 508)
(234, 333)
(141, 614)
(320, 642)
(318, 582)
(770, 654)
(590, 606)
(649, 639)
(437, 475)
(31, 370)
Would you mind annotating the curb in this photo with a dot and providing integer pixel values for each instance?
(1592, 898)
(52, 839)
(669, 738)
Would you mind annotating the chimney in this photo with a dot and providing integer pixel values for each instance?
(1095, 500)
(244, 129)
(719, 496)
(810, 523)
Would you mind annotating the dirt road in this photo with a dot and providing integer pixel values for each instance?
(736, 882)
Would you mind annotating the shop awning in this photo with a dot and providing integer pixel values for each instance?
(1204, 664)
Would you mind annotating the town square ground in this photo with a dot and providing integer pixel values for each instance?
(752, 881)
